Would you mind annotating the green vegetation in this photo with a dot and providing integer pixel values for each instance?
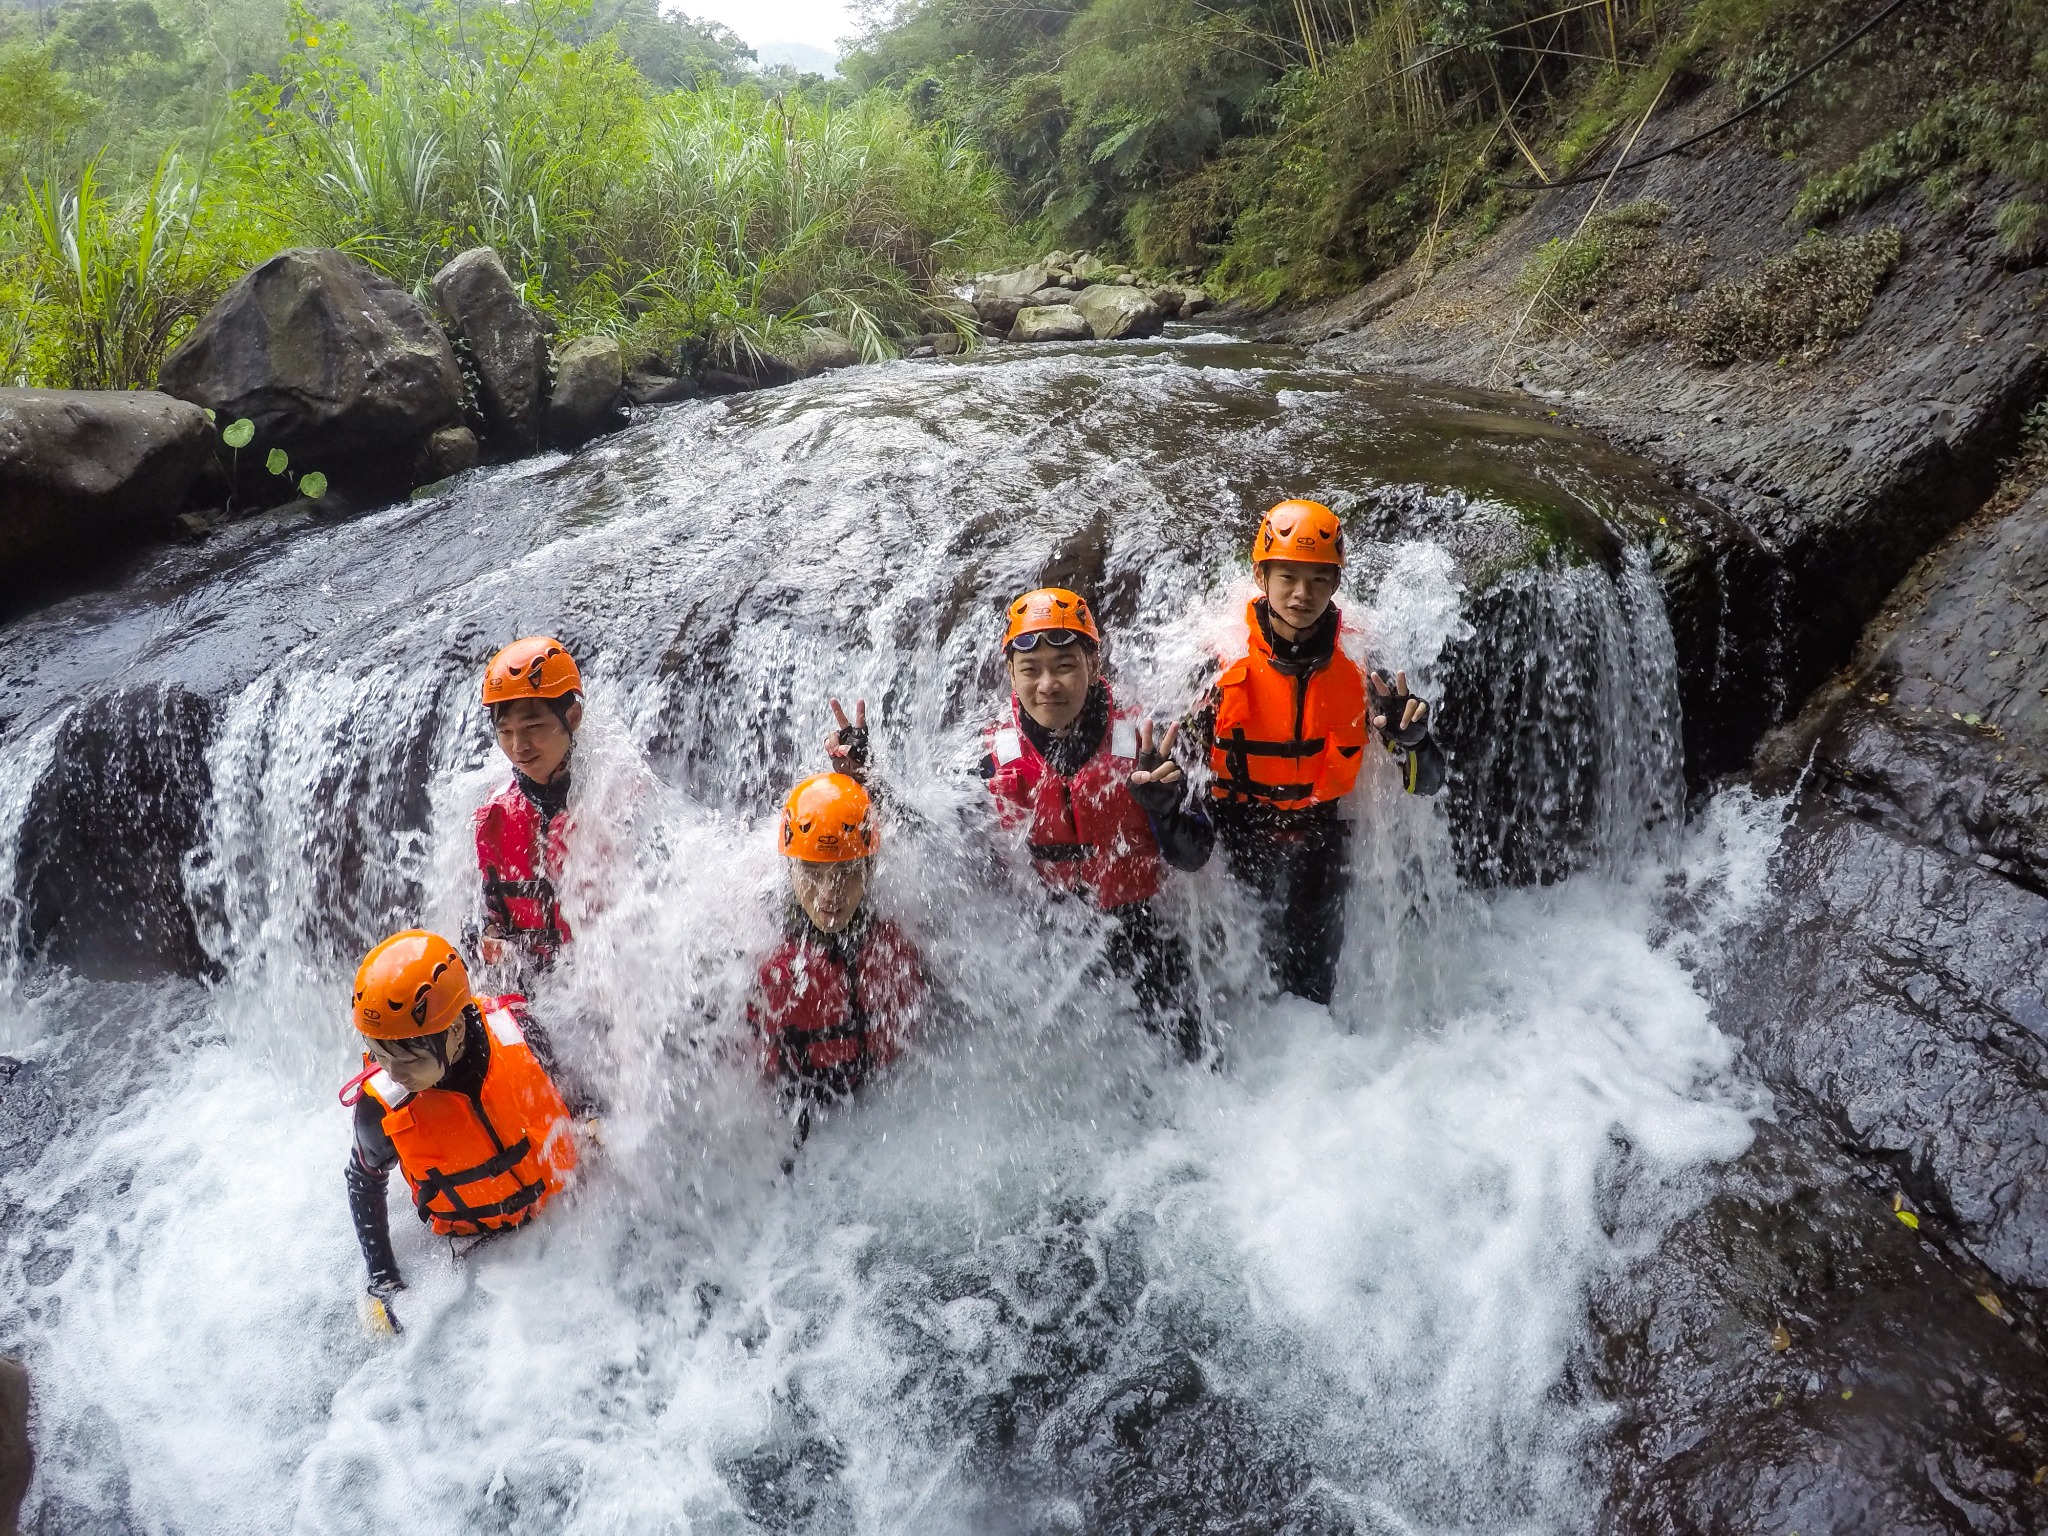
(633, 173)
(1290, 148)
(1621, 273)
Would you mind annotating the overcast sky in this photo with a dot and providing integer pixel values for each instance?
(818, 23)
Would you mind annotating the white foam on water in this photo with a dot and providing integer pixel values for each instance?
(1371, 1229)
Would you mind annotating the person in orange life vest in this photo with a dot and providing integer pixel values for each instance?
(837, 997)
(1286, 727)
(458, 1092)
(535, 697)
(1095, 795)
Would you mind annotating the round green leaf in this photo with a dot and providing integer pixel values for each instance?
(209, 413)
(237, 434)
(278, 462)
(314, 486)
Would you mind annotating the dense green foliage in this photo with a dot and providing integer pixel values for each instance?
(635, 175)
(1291, 147)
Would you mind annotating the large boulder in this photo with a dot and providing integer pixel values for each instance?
(1899, 977)
(333, 363)
(84, 470)
(506, 345)
(590, 391)
(1115, 311)
(1050, 322)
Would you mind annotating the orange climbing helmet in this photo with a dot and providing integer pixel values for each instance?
(1058, 616)
(1306, 531)
(828, 819)
(412, 984)
(538, 667)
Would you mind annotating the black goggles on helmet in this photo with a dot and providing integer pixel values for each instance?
(1057, 638)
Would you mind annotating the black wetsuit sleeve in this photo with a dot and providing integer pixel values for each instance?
(1422, 766)
(1185, 833)
(370, 1163)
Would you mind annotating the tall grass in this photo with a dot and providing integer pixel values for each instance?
(728, 220)
(117, 278)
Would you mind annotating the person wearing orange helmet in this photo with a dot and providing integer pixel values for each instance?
(1286, 726)
(837, 997)
(458, 1092)
(1094, 795)
(534, 693)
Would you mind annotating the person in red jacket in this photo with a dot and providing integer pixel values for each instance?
(836, 999)
(535, 697)
(1286, 726)
(458, 1093)
(1094, 795)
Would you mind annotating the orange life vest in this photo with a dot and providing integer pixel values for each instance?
(487, 1163)
(1288, 741)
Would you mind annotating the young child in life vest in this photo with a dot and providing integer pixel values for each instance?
(1286, 727)
(838, 996)
(1097, 800)
(458, 1092)
(535, 697)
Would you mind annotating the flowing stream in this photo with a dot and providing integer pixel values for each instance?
(1043, 1278)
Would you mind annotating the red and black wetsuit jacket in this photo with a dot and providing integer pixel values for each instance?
(374, 1156)
(1070, 795)
(519, 852)
(829, 1008)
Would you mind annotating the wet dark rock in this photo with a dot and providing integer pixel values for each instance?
(1899, 977)
(645, 386)
(109, 824)
(335, 364)
(589, 393)
(86, 471)
(1848, 468)
(1899, 1404)
(505, 344)
(448, 452)
(17, 1456)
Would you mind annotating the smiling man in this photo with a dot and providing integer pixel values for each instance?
(1286, 726)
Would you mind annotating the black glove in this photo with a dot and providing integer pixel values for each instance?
(1153, 797)
(853, 741)
(1390, 706)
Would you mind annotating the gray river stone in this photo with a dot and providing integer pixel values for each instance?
(1115, 311)
(1050, 322)
(86, 471)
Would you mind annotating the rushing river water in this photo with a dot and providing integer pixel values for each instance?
(1043, 1278)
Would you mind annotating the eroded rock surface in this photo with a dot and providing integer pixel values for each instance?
(1900, 979)
(1792, 1357)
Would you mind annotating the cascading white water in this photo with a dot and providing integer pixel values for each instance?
(1042, 1277)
